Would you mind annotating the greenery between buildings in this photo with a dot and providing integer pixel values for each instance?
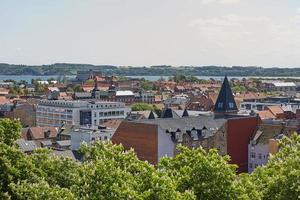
(110, 172)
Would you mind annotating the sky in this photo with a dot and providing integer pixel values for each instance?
(151, 32)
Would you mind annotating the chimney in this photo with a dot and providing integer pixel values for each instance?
(47, 134)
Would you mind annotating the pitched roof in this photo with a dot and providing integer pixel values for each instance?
(270, 131)
(64, 143)
(39, 132)
(225, 102)
(26, 145)
(4, 100)
(151, 115)
(188, 123)
(185, 113)
(169, 113)
(276, 110)
(266, 114)
(124, 93)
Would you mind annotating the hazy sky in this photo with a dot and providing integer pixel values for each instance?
(151, 32)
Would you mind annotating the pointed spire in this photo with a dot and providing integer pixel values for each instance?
(169, 113)
(225, 102)
(151, 115)
(95, 87)
(185, 113)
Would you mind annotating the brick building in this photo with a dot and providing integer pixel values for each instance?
(224, 130)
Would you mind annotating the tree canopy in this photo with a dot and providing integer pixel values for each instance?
(109, 171)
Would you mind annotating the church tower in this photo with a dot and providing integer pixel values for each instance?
(225, 103)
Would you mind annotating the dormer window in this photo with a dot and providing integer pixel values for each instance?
(220, 105)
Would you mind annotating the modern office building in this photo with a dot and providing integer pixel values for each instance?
(286, 103)
(58, 112)
(89, 135)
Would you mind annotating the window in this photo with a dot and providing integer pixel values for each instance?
(252, 155)
(105, 137)
(220, 105)
(259, 156)
(231, 105)
(250, 165)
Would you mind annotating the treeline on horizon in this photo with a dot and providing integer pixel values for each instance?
(163, 70)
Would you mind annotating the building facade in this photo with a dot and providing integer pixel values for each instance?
(58, 112)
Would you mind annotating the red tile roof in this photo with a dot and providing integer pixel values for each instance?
(39, 132)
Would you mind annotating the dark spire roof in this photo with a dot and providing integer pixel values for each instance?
(95, 89)
(151, 115)
(225, 102)
(169, 113)
(185, 113)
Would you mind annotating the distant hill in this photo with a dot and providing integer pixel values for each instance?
(164, 70)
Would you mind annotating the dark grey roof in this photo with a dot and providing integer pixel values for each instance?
(26, 145)
(64, 143)
(185, 113)
(83, 94)
(46, 143)
(151, 115)
(169, 113)
(225, 102)
(75, 155)
(188, 123)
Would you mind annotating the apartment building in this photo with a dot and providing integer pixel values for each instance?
(265, 141)
(58, 112)
(89, 135)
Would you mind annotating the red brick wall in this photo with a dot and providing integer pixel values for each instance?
(139, 136)
(239, 133)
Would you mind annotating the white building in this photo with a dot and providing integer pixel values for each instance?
(89, 135)
(58, 112)
(265, 142)
(287, 88)
(147, 97)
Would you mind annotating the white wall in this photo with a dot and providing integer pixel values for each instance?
(261, 152)
(165, 144)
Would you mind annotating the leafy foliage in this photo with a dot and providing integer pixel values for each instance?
(9, 131)
(205, 173)
(71, 69)
(141, 107)
(280, 178)
(110, 172)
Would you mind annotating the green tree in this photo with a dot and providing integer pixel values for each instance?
(9, 131)
(207, 174)
(141, 107)
(113, 173)
(280, 178)
(40, 190)
(146, 85)
(110, 172)
(77, 88)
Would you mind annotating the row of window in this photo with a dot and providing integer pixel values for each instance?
(109, 113)
(260, 156)
(230, 104)
(106, 106)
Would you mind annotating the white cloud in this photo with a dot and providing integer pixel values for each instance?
(228, 20)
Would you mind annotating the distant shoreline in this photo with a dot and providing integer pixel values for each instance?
(28, 78)
(66, 69)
